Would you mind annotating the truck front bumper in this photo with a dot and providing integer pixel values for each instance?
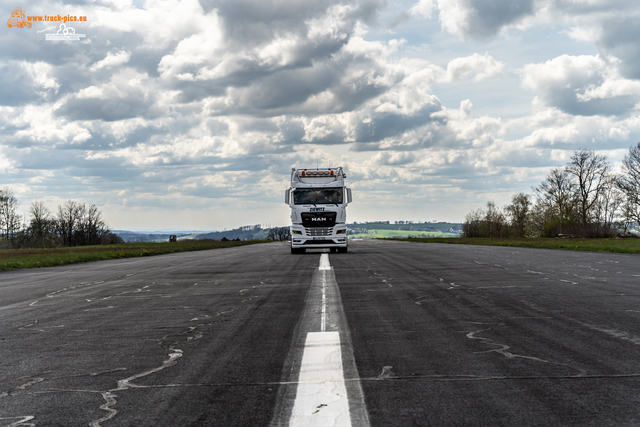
(310, 243)
(319, 237)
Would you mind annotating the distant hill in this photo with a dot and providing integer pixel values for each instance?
(407, 226)
(151, 236)
(249, 232)
(386, 229)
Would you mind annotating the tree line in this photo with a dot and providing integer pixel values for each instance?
(72, 224)
(584, 198)
(278, 234)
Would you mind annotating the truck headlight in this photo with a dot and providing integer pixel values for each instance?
(298, 232)
(341, 231)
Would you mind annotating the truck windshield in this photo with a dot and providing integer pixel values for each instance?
(324, 196)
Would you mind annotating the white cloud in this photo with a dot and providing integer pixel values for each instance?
(614, 86)
(159, 23)
(562, 71)
(482, 19)
(40, 72)
(199, 56)
(112, 60)
(478, 67)
(393, 158)
(582, 85)
(423, 7)
(583, 34)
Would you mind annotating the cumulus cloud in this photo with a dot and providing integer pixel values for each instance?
(24, 82)
(482, 19)
(423, 8)
(393, 158)
(112, 60)
(478, 67)
(619, 38)
(573, 83)
(125, 96)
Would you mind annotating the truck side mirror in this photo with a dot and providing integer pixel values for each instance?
(349, 199)
(286, 196)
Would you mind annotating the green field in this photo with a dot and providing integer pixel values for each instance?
(628, 246)
(382, 230)
(385, 234)
(11, 259)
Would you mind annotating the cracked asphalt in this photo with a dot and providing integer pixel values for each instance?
(442, 335)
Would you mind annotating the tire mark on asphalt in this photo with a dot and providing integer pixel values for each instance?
(22, 421)
(111, 398)
(503, 350)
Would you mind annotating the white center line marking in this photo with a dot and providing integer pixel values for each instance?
(323, 320)
(321, 398)
(324, 262)
(324, 266)
(314, 391)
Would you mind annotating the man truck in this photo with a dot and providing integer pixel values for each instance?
(318, 199)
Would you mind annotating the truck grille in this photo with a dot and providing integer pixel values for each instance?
(319, 231)
(318, 219)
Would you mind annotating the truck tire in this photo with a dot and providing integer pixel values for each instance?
(342, 250)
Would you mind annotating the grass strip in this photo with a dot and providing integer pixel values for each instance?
(627, 246)
(11, 259)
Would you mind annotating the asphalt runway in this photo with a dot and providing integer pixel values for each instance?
(410, 334)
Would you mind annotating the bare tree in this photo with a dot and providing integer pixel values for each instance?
(518, 212)
(39, 216)
(629, 183)
(607, 208)
(10, 220)
(278, 234)
(557, 193)
(495, 221)
(69, 220)
(41, 231)
(472, 226)
(628, 215)
(543, 219)
(591, 174)
(92, 227)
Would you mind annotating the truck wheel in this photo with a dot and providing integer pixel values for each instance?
(294, 251)
(302, 250)
(333, 250)
(342, 250)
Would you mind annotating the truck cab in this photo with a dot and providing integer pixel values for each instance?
(318, 199)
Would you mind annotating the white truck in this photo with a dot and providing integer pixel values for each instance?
(318, 199)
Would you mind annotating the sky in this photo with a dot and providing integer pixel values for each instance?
(190, 114)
